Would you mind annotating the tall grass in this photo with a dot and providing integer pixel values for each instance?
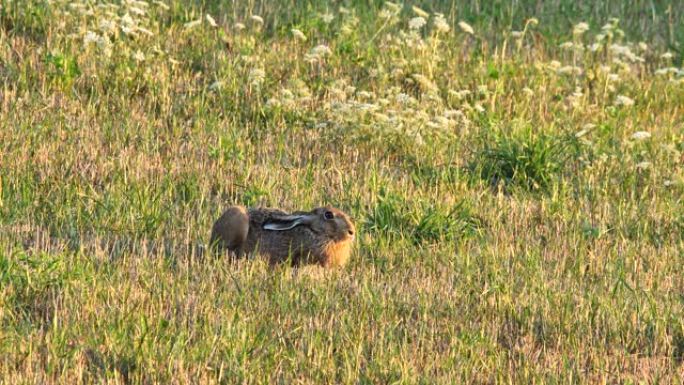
(515, 174)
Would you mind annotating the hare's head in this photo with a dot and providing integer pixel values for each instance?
(333, 223)
(327, 232)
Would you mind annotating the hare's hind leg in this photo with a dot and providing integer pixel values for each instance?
(230, 230)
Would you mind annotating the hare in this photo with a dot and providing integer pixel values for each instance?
(321, 236)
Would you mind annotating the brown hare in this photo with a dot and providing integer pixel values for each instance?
(321, 236)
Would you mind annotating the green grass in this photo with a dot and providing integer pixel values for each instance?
(514, 224)
(532, 161)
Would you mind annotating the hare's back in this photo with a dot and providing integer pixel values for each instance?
(277, 245)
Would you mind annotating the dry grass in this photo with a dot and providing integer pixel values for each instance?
(515, 223)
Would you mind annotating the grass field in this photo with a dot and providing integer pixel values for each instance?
(515, 172)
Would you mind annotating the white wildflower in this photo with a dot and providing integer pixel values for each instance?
(392, 7)
(595, 47)
(327, 18)
(138, 56)
(570, 70)
(107, 26)
(613, 77)
(580, 28)
(239, 26)
(321, 50)
(453, 113)
(162, 5)
(459, 95)
(667, 55)
(566, 46)
(257, 19)
(128, 30)
(433, 125)
(137, 11)
(127, 20)
(668, 183)
(420, 12)
(192, 24)
(643, 165)
(554, 64)
(90, 38)
(365, 95)
(643, 46)
(139, 3)
(256, 76)
(641, 135)
(465, 27)
(366, 107)
(667, 70)
(576, 97)
(532, 21)
(528, 91)
(445, 122)
(403, 98)
(619, 49)
(286, 94)
(298, 35)
(107, 6)
(385, 14)
(516, 34)
(478, 107)
(622, 100)
(211, 20)
(440, 24)
(417, 22)
(144, 31)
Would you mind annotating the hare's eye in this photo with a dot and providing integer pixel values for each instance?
(329, 215)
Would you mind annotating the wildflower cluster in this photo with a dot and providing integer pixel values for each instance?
(112, 29)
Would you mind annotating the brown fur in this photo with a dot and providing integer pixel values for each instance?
(314, 239)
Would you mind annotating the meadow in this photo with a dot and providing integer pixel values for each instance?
(515, 172)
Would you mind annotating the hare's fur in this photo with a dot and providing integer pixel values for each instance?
(322, 236)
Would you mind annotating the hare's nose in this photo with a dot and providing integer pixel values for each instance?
(351, 232)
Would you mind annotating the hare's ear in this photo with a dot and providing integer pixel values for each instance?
(288, 222)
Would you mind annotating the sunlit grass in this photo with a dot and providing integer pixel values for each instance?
(516, 179)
